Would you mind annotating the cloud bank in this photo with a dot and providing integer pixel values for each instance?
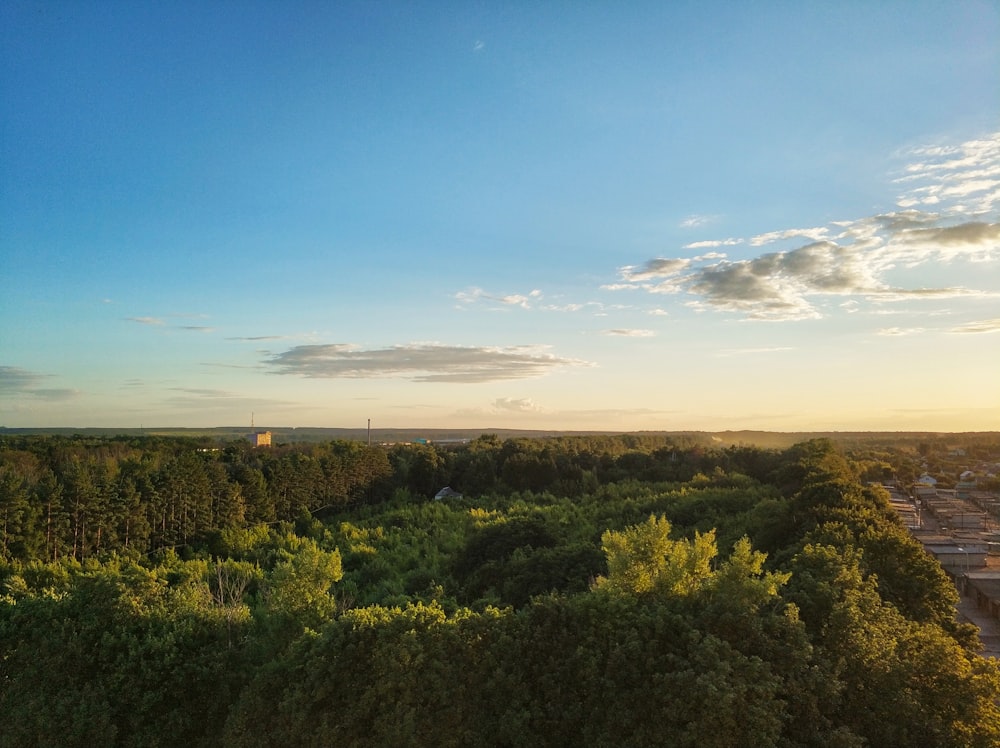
(20, 383)
(850, 258)
(429, 362)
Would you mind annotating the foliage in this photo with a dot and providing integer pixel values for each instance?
(607, 591)
(644, 560)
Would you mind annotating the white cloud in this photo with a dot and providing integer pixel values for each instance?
(969, 171)
(850, 257)
(529, 301)
(713, 243)
(519, 300)
(572, 307)
(815, 234)
(696, 221)
(146, 320)
(418, 362)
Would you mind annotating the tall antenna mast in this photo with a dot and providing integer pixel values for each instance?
(251, 420)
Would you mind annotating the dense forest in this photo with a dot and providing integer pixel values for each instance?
(631, 590)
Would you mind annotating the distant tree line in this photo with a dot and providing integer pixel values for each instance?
(64, 497)
(81, 498)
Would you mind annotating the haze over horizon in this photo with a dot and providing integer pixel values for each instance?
(559, 216)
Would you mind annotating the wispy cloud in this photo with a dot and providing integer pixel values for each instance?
(710, 243)
(657, 268)
(727, 352)
(54, 393)
(251, 338)
(696, 221)
(852, 257)
(533, 300)
(14, 379)
(901, 331)
(516, 405)
(202, 392)
(629, 333)
(18, 382)
(815, 234)
(423, 362)
(474, 295)
(982, 326)
(161, 322)
(206, 399)
(965, 177)
(525, 410)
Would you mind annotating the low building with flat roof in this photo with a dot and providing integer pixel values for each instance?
(984, 588)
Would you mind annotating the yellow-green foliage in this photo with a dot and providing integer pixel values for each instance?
(643, 559)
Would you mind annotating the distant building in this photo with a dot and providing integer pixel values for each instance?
(260, 438)
(966, 485)
(447, 493)
(984, 588)
(955, 558)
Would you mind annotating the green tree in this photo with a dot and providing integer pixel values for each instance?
(643, 559)
(300, 585)
(18, 515)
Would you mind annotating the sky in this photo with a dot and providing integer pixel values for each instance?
(543, 215)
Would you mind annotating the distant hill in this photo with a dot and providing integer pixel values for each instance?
(291, 434)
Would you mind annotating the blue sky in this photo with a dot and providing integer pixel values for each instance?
(775, 215)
